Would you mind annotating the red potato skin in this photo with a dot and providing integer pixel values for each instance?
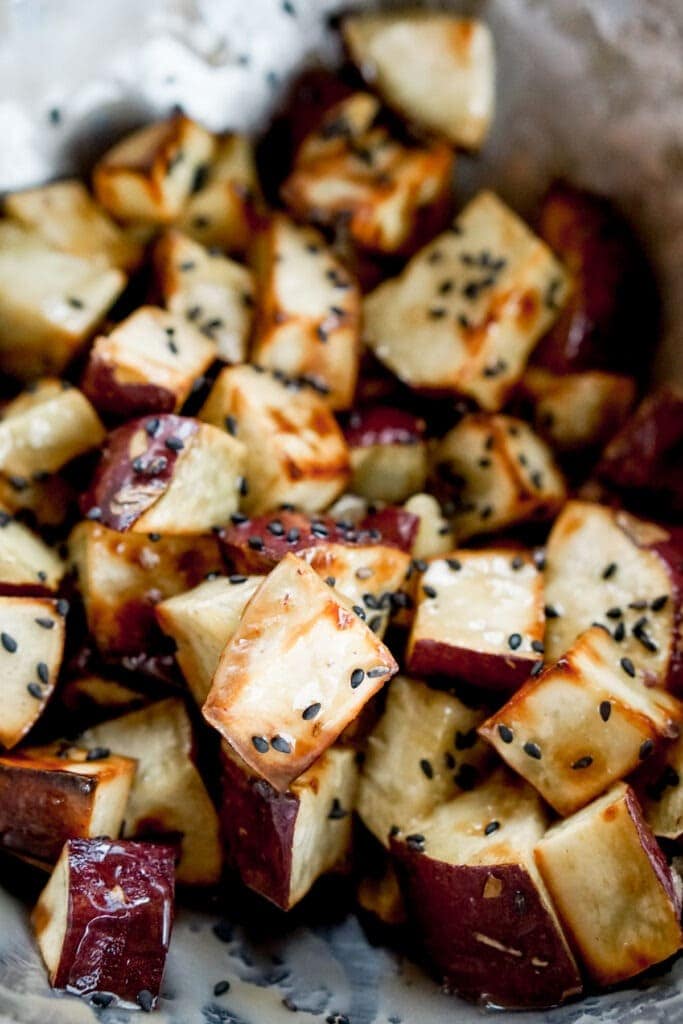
(121, 494)
(123, 400)
(491, 671)
(671, 553)
(39, 811)
(117, 948)
(258, 828)
(392, 526)
(612, 316)
(644, 461)
(654, 852)
(383, 424)
(447, 906)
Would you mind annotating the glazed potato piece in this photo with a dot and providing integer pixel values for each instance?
(27, 564)
(168, 795)
(469, 307)
(31, 647)
(388, 453)
(48, 500)
(296, 452)
(479, 617)
(147, 364)
(478, 903)
(612, 318)
(608, 567)
(223, 209)
(51, 302)
(148, 176)
(121, 577)
(643, 462)
(45, 427)
(423, 751)
(59, 792)
(300, 666)
(576, 411)
(350, 173)
(308, 311)
(584, 722)
(622, 915)
(366, 575)
(434, 534)
(201, 621)
(67, 218)
(283, 842)
(103, 921)
(213, 293)
(436, 69)
(166, 474)
(496, 472)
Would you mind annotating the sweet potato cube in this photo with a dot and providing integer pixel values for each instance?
(27, 564)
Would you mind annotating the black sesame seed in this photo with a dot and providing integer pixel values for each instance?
(337, 812)
(293, 535)
(514, 641)
(428, 591)
(8, 642)
(467, 777)
(437, 313)
(243, 486)
(419, 565)
(35, 691)
(360, 612)
(484, 463)
(445, 287)
(62, 606)
(256, 543)
(449, 760)
(238, 519)
(42, 575)
(486, 512)
(154, 537)
(628, 667)
(375, 623)
(505, 733)
(551, 612)
(45, 623)
(454, 564)
(94, 513)
(193, 313)
(492, 827)
(646, 749)
(532, 750)
(394, 831)
(426, 768)
(330, 580)
(319, 530)
(5, 519)
(538, 646)
(659, 603)
(276, 528)
(357, 677)
(465, 740)
(174, 444)
(261, 744)
(609, 571)
(97, 754)
(619, 632)
(43, 672)
(605, 710)
(583, 762)
(638, 606)
(517, 563)
(221, 987)
(101, 999)
(18, 483)
(614, 613)
(280, 744)
(75, 302)
(536, 669)
(375, 673)
(416, 842)
(145, 1000)
(311, 711)
(537, 480)
(230, 424)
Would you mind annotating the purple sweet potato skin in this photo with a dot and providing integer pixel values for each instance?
(120, 399)
(120, 491)
(658, 860)
(448, 907)
(382, 424)
(671, 552)
(112, 946)
(258, 827)
(479, 668)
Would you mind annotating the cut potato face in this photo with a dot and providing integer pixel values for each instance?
(283, 842)
(388, 454)
(455, 99)
(298, 669)
(108, 903)
(624, 914)
(608, 567)
(660, 794)
(296, 452)
(495, 471)
(224, 209)
(31, 647)
(122, 577)
(201, 621)
(214, 294)
(479, 617)
(423, 751)
(168, 795)
(27, 564)
(478, 903)
(583, 723)
(44, 428)
(468, 309)
(67, 218)
(350, 173)
(51, 794)
(147, 364)
(167, 474)
(308, 311)
(148, 176)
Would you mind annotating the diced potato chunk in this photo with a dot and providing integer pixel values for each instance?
(574, 411)
(27, 564)
(468, 309)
